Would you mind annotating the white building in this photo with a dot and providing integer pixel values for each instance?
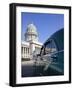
(30, 46)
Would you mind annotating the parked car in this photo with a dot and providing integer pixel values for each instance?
(52, 54)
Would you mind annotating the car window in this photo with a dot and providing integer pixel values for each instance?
(50, 47)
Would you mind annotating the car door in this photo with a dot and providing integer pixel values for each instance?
(54, 58)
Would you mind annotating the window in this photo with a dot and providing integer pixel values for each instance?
(21, 50)
(50, 47)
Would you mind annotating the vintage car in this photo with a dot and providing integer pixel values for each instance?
(51, 57)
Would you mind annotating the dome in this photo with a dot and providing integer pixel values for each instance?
(31, 33)
(31, 29)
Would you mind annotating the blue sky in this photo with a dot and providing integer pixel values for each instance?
(46, 24)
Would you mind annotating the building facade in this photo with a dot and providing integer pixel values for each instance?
(30, 46)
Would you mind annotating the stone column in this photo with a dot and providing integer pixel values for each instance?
(23, 52)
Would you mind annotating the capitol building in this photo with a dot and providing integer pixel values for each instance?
(30, 46)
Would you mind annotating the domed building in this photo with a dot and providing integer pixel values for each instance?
(30, 46)
(31, 33)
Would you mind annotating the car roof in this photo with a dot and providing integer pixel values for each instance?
(58, 38)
